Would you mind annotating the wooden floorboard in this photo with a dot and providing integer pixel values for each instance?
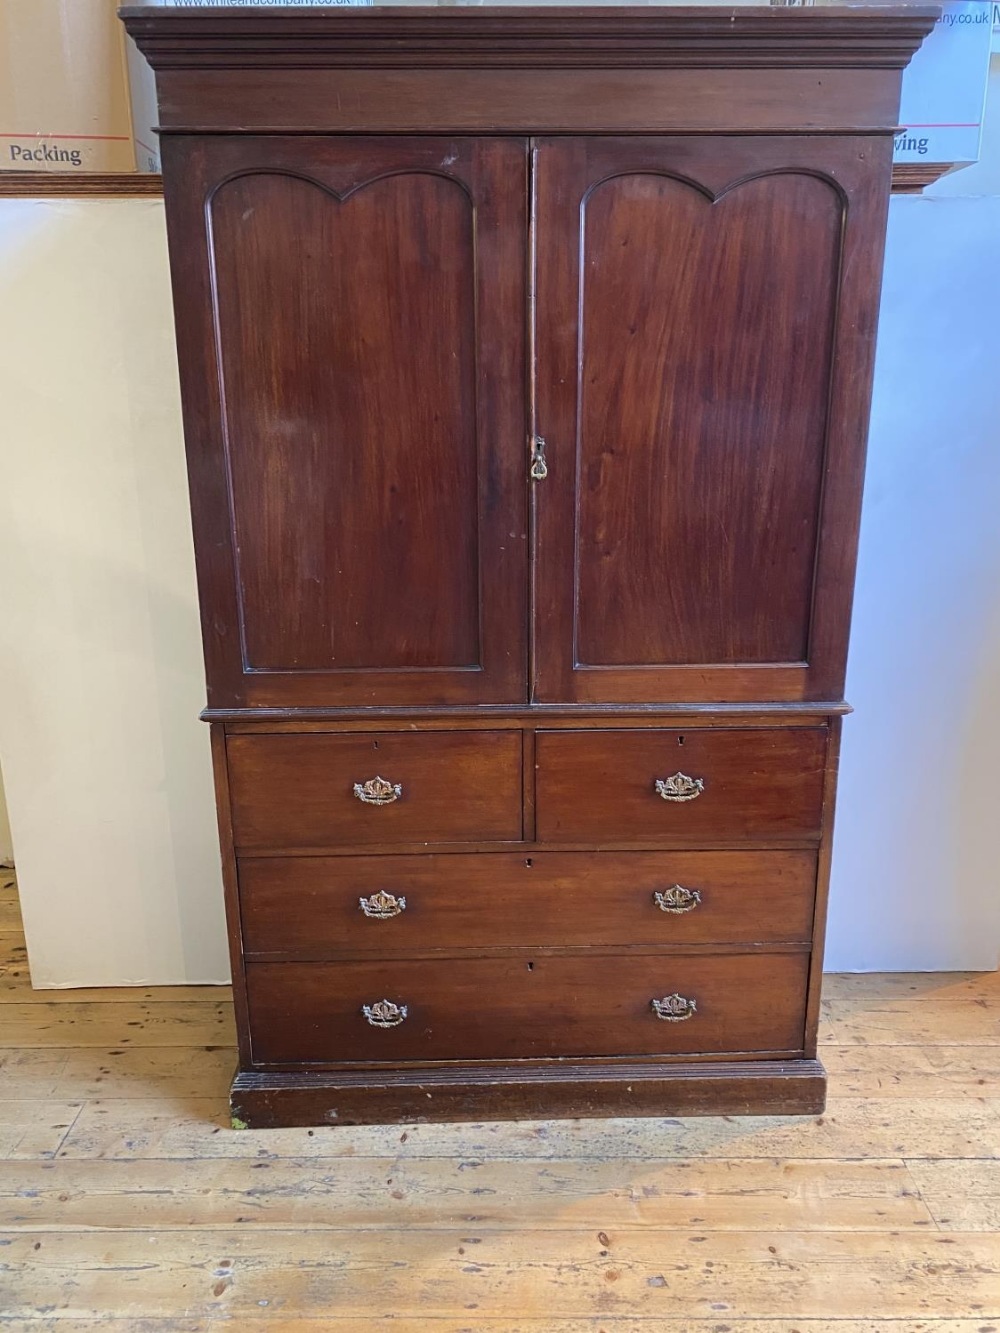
(128, 1204)
(10, 908)
(919, 1072)
(377, 1274)
(852, 1128)
(364, 1193)
(478, 1323)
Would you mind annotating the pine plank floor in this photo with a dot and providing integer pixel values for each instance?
(128, 1205)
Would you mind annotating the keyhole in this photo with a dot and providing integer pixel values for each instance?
(531, 967)
(680, 740)
(529, 862)
(374, 745)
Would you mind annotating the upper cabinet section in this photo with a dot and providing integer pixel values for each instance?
(355, 415)
(405, 242)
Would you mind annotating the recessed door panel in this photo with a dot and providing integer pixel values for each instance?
(692, 390)
(704, 359)
(350, 412)
(365, 427)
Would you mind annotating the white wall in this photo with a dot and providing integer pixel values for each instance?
(916, 872)
(106, 766)
(105, 763)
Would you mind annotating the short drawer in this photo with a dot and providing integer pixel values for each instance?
(467, 1009)
(355, 905)
(362, 788)
(704, 783)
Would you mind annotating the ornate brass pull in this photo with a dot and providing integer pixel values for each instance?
(677, 899)
(377, 791)
(539, 467)
(381, 906)
(674, 1008)
(679, 788)
(384, 1014)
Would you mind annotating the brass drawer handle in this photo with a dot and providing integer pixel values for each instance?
(674, 1008)
(377, 791)
(679, 788)
(384, 1014)
(677, 899)
(381, 906)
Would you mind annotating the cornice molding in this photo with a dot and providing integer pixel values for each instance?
(864, 36)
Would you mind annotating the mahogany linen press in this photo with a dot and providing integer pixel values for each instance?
(526, 357)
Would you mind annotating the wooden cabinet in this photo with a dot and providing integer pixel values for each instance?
(526, 358)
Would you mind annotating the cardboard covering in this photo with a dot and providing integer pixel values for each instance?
(75, 94)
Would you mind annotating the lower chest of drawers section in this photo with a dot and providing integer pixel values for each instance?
(359, 950)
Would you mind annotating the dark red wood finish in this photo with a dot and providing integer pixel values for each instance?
(230, 885)
(513, 1008)
(310, 907)
(531, 69)
(525, 1089)
(350, 328)
(298, 791)
(405, 243)
(757, 784)
(822, 889)
(692, 407)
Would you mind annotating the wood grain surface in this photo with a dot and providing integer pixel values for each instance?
(695, 536)
(311, 907)
(357, 459)
(299, 790)
(601, 785)
(515, 1008)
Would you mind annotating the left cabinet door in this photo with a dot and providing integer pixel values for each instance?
(350, 320)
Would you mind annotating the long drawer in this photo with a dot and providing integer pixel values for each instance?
(656, 785)
(360, 788)
(356, 905)
(579, 1005)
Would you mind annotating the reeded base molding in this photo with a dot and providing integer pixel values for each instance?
(527, 1091)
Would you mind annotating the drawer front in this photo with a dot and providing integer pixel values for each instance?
(634, 786)
(353, 905)
(363, 788)
(467, 1009)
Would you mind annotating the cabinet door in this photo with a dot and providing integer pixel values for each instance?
(705, 312)
(351, 331)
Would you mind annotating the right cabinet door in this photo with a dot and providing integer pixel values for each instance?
(704, 320)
